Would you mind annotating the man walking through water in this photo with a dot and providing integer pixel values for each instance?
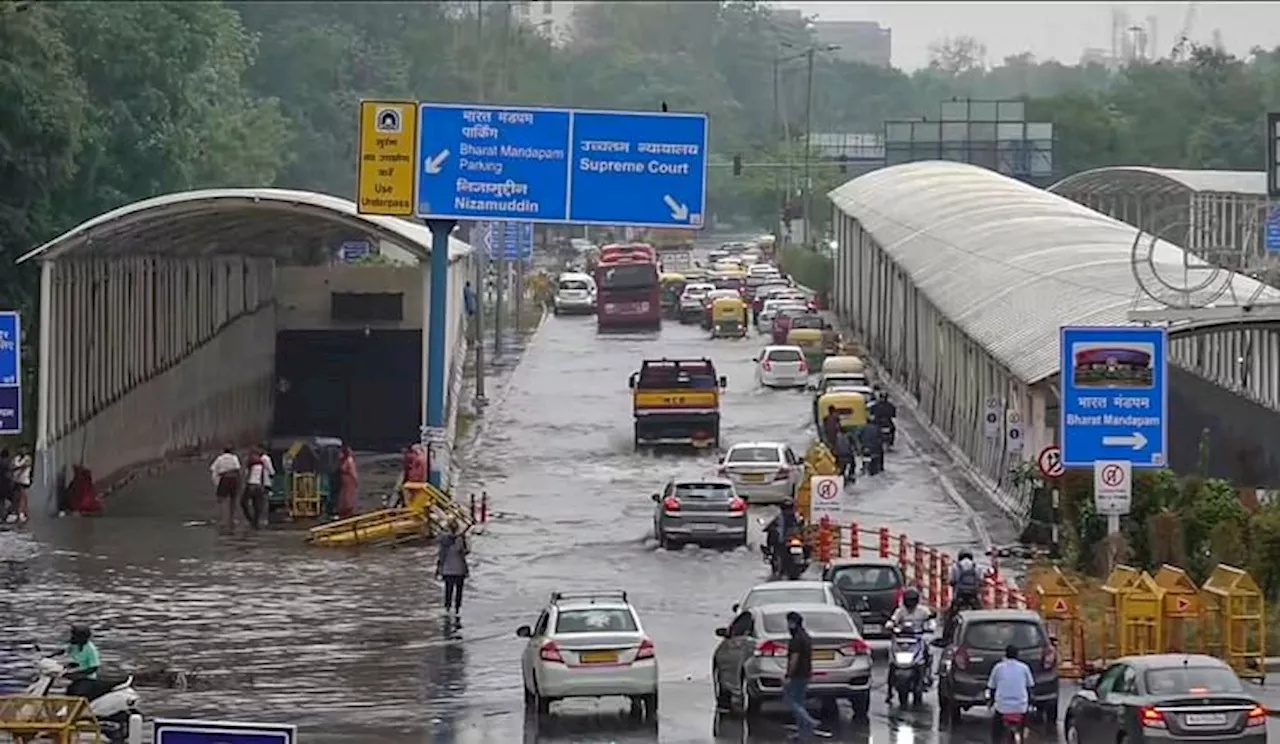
(226, 482)
(451, 565)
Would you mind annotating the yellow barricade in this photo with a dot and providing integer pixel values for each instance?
(1183, 630)
(1058, 600)
(817, 461)
(1136, 613)
(57, 718)
(304, 496)
(1237, 614)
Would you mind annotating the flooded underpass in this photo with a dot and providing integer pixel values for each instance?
(355, 647)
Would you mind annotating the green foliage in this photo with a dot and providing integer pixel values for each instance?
(810, 268)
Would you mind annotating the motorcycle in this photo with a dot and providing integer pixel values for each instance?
(793, 560)
(1013, 726)
(909, 663)
(888, 433)
(113, 703)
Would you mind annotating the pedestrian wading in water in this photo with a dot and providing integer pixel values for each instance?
(226, 483)
(451, 565)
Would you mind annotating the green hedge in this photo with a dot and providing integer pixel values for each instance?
(808, 267)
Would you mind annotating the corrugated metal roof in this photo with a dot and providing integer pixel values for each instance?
(228, 215)
(1005, 261)
(1247, 183)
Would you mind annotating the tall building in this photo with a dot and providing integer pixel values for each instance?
(859, 41)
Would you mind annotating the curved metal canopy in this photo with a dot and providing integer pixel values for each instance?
(1129, 179)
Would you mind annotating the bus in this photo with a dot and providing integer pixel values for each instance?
(628, 295)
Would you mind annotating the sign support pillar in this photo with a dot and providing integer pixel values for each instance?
(437, 337)
(477, 322)
(499, 278)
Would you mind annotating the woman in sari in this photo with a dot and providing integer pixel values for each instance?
(347, 483)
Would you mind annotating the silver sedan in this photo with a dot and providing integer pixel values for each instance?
(699, 510)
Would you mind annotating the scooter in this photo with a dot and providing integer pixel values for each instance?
(909, 664)
(112, 702)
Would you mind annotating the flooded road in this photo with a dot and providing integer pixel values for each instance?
(354, 646)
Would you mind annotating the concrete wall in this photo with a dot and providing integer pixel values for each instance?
(303, 294)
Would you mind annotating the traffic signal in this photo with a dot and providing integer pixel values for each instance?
(737, 165)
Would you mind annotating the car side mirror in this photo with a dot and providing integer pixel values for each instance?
(655, 498)
(524, 631)
(724, 381)
(933, 614)
(735, 607)
(1090, 683)
(722, 632)
(631, 382)
(755, 359)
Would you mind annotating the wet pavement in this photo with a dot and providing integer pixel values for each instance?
(354, 647)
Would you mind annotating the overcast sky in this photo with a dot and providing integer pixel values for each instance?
(1049, 30)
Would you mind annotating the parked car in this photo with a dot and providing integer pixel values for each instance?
(763, 472)
(589, 644)
(871, 587)
(1165, 698)
(782, 366)
(979, 644)
(750, 662)
(703, 511)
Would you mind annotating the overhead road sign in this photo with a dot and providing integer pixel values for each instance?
(511, 241)
(388, 146)
(178, 731)
(10, 372)
(1115, 395)
(508, 163)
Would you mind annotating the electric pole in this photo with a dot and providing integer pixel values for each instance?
(808, 148)
(478, 253)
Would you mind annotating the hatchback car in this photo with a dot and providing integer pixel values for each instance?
(703, 511)
(1165, 698)
(750, 663)
(589, 644)
(980, 642)
(575, 293)
(772, 307)
(762, 472)
(691, 300)
(782, 366)
(871, 587)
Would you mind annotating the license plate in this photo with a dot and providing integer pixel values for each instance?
(598, 657)
(704, 528)
(823, 654)
(797, 550)
(1205, 719)
(871, 628)
(753, 478)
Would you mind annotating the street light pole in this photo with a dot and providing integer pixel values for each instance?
(808, 146)
(477, 322)
(777, 134)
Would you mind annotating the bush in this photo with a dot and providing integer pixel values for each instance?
(808, 267)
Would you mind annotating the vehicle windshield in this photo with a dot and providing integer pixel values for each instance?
(806, 321)
(696, 290)
(995, 635)
(784, 355)
(718, 294)
(596, 620)
(631, 276)
(754, 454)
(574, 284)
(866, 578)
(1191, 680)
(784, 596)
(708, 491)
(814, 622)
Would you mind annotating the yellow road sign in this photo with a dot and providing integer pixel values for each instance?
(388, 149)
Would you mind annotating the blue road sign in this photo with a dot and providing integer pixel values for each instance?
(1273, 230)
(1115, 396)
(176, 731)
(10, 372)
(561, 165)
(512, 241)
(354, 250)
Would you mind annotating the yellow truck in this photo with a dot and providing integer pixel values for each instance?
(676, 402)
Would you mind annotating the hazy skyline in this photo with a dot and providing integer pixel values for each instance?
(1050, 30)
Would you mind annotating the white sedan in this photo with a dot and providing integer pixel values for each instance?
(763, 472)
(781, 366)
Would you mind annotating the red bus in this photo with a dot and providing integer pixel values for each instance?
(628, 294)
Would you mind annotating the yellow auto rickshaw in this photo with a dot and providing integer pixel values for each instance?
(849, 364)
(810, 342)
(728, 318)
(852, 408)
(672, 285)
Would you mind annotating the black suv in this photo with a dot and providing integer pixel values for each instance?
(980, 641)
(872, 589)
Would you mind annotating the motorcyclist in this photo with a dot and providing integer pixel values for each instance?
(784, 523)
(884, 413)
(846, 456)
(966, 591)
(872, 445)
(1009, 691)
(83, 654)
(910, 612)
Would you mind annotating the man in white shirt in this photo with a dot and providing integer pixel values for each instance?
(22, 467)
(257, 482)
(226, 481)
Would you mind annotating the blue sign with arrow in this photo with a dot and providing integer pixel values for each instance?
(571, 166)
(512, 241)
(1115, 395)
(177, 731)
(1273, 230)
(10, 372)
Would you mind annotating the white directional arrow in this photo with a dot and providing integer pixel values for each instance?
(432, 166)
(679, 211)
(1135, 440)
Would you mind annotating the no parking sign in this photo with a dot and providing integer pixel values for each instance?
(826, 497)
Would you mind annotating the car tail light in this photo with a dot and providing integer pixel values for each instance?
(551, 652)
(783, 473)
(1258, 715)
(645, 651)
(771, 648)
(858, 647)
(803, 367)
(1151, 717)
(671, 503)
(737, 504)
(1048, 658)
(766, 366)
(962, 658)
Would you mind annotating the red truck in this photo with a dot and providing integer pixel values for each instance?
(628, 292)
